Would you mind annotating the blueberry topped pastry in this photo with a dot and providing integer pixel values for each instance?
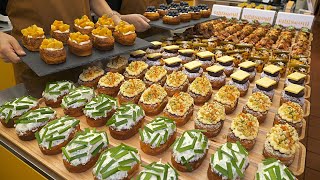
(152, 13)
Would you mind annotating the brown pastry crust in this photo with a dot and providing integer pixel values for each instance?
(74, 112)
(120, 70)
(80, 50)
(100, 121)
(11, 123)
(54, 104)
(154, 109)
(124, 99)
(212, 175)
(286, 160)
(57, 149)
(171, 20)
(126, 134)
(140, 76)
(131, 172)
(32, 44)
(162, 12)
(103, 44)
(82, 30)
(199, 99)
(248, 144)
(185, 17)
(162, 81)
(217, 84)
(195, 15)
(111, 91)
(259, 115)
(297, 126)
(194, 165)
(152, 16)
(173, 90)
(63, 36)
(93, 83)
(126, 40)
(205, 13)
(180, 120)
(146, 148)
(228, 108)
(210, 130)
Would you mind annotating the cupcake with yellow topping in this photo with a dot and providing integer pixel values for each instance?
(60, 31)
(210, 118)
(228, 96)
(290, 113)
(244, 128)
(200, 89)
(153, 99)
(110, 83)
(155, 75)
(91, 76)
(102, 38)
(84, 25)
(176, 82)
(52, 51)
(281, 143)
(32, 37)
(131, 90)
(125, 34)
(80, 44)
(258, 105)
(136, 70)
(105, 22)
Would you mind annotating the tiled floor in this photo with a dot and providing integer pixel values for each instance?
(312, 170)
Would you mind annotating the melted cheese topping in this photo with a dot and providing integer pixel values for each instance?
(136, 67)
(91, 73)
(33, 31)
(117, 62)
(245, 126)
(176, 79)
(111, 79)
(228, 94)
(247, 64)
(83, 22)
(259, 102)
(296, 76)
(291, 112)
(272, 69)
(284, 138)
(239, 75)
(155, 73)
(211, 113)
(201, 85)
(153, 95)
(294, 88)
(266, 82)
(132, 87)
(179, 104)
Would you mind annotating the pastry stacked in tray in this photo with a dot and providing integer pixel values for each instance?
(208, 107)
(86, 35)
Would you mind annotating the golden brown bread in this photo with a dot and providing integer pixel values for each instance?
(32, 44)
(153, 109)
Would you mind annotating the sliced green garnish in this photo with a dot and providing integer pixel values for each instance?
(223, 171)
(97, 150)
(229, 169)
(65, 153)
(78, 156)
(55, 138)
(77, 148)
(96, 139)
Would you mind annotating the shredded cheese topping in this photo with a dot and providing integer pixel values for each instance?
(259, 102)
(136, 67)
(153, 95)
(245, 126)
(201, 85)
(179, 104)
(291, 112)
(111, 79)
(176, 79)
(132, 87)
(211, 113)
(91, 73)
(228, 94)
(155, 73)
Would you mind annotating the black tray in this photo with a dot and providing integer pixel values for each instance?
(161, 25)
(33, 60)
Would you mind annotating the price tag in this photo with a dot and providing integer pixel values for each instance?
(296, 20)
(263, 16)
(227, 11)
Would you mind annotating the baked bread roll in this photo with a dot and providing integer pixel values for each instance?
(105, 21)
(55, 91)
(80, 44)
(131, 90)
(135, 70)
(52, 51)
(176, 82)
(200, 90)
(258, 105)
(155, 75)
(102, 38)
(228, 96)
(60, 31)
(110, 83)
(117, 64)
(125, 34)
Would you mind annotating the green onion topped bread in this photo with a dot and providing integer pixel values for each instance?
(83, 151)
(159, 171)
(55, 91)
(56, 134)
(126, 122)
(12, 110)
(273, 169)
(157, 136)
(189, 150)
(33, 121)
(228, 162)
(119, 163)
(74, 102)
(99, 110)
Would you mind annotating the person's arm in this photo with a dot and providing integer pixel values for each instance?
(101, 7)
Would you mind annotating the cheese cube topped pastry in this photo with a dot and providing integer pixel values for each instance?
(240, 79)
(126, 122)
(229, 162)
(249, 67)
(55, 91)
(186, 55)
(176, 81)
(56, 134)
(99, 110)
(60, 31)
(159, 171)
(120, 162)
(193, 70)
(200, 89)
(228, 96)
(244, 128)
(33, 121)
(153, 99)
(228, 63)
(12, 110)
(131, 90)
(206, 58)
(102, 38)
(32, 37)
(83, 151)
(125, 33)
(291, 113)
(74, 102)
(91, 76)
(156, 74)
(138, 55)
(170, 51)
(84, 25)
(154, 59)
(273, 169)
(281, 143)
(296, 78)
(216, 76)
(136, 70)
(272, 72)
(210, 118)
(172, 64)
(294, 93)
(117, 64)
(105, 21)
(157, 136)
(180, 108)
(156, 47)
(110, 83)
(258, 105)
(266, 86)
(80, 44)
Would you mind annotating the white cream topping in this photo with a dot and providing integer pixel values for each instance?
(56, 89)
(100, 106)
(78, 97)
(14, 108)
